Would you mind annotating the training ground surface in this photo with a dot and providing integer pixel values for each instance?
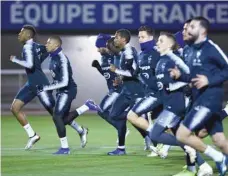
(90, 161)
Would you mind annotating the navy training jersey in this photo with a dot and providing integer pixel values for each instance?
(127, 70)
(128, 61)
(146, 65)
(117, 60)
(164, 81)
(61, 72)
(106, 61)
(33, 55)
(206, 58)
(171, 92)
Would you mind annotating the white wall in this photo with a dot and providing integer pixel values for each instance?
(81, 51)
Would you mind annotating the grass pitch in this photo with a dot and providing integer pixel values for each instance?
(90, 161)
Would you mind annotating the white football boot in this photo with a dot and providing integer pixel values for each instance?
(32, 141)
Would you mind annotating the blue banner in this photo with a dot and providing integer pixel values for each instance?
(86, 15)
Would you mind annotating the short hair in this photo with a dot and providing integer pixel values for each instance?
(124, 33)
(110, 42)
(172, 37)
(57, 38)
(203, 22)
(188, 21)
(148, 29)
(111, 46)
(31, 28)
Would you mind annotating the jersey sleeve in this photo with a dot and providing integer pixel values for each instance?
(221, 60)
(64, 73)
(28, 61)
(129, 62)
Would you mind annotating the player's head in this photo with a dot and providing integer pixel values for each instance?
(185, 34)
(145, 34)
(101, 42)
(27, 32)
(166, 42)
(111, 46)
(198, 29)
(53, 43)
(122, 37)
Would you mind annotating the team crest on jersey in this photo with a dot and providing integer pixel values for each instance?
(198, 53)
(197, 62)
(160, 85)
(146, 75)
(54, 65)
(149, 58)
(106, 75)
(37, 50)
(109, 61)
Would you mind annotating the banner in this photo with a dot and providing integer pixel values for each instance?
(89, 15)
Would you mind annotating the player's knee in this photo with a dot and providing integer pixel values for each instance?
(202, 133)
(14, 108)
(219, 140)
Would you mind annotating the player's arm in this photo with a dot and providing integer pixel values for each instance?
(179, 63)
(181, 72)
(222, 61)
(29, 58)
(43, 53)
(64, 76)
(97, 65)
(129, 63)
(185, 73)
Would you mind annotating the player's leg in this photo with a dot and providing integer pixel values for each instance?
(63, 102)
(224, 113)
(196, 118)
(215, 129)
(105, 106)
(145, 105)
(118, 117)
(24, 96)
(158, 134)
(89, 105)
(82, 131)
(190, 169)
(47, 100)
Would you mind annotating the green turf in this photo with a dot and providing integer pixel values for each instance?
(90, 161)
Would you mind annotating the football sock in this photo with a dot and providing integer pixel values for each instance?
(29, 130)
(82, 109)
(76, 126)
(214, 154)
(64, 142)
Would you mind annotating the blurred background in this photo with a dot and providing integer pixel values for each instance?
(79, 22)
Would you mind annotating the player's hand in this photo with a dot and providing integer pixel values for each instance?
(112, 68)
(95, 63)
(11, 57)
(200, 81)
(39, 88)
(174, 73)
